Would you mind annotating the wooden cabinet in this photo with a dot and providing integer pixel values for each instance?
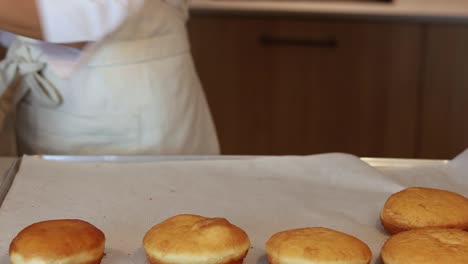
(299, 86)
(357, 97)
(234, 71)
(444, 109)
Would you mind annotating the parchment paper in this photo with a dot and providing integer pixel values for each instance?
(263, 196)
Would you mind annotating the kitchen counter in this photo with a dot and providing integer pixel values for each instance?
(418, 10)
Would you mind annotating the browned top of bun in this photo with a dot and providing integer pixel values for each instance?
(317, 245)
(427, 246)
(424, 207)
(200, 238)
(57, 239)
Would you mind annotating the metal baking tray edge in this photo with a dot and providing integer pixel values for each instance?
(138, 159)
(374, 162)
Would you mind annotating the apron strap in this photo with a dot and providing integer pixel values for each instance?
(18, 66)
(21, 64)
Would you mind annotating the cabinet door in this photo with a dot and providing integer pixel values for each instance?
(233, 69)
(444, 129)
(357, 96)
(294, 86)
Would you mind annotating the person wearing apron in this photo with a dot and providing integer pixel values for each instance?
(134, 91)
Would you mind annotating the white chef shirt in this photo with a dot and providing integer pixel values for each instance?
(68, 21)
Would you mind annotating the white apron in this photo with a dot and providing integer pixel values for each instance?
(137, 93)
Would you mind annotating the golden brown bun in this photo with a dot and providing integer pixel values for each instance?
(194, 239)
(58, 241)
(427, 246)
(424, 207)
(316, 245)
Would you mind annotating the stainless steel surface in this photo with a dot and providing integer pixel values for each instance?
(327, 43)
(452, 11)
(403, 163)
(136, 159)
(321, 1)
(375, 162)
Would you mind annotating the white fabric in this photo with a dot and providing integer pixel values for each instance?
(88, 20)
(80, 21)
(136, 92)
(83, 20)
(28, 68)
(62, 59)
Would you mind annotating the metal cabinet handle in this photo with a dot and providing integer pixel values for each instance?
(328, 42)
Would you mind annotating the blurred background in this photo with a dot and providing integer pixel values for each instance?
(371, 78)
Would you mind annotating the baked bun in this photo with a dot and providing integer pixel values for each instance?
(423, 207)
(194, 239)
(58, 241)
(427, 246)
(316, 246)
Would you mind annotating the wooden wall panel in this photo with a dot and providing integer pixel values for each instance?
(288, 96)
(444, 129)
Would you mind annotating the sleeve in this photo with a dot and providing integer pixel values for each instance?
(67, 21)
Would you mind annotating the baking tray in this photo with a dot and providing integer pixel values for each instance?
(167, 189)
(374, 162)
(137, 159)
